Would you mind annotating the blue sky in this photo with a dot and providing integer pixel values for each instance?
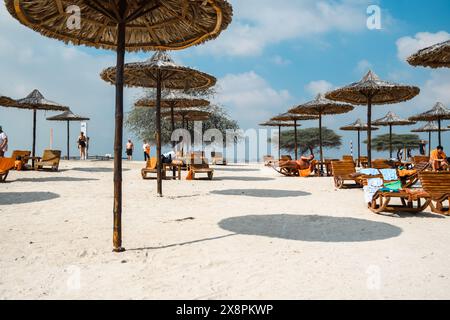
(267, 61)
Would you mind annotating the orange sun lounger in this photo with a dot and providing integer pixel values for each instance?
(6, 164)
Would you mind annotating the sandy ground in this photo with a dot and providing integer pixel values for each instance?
(249, 234)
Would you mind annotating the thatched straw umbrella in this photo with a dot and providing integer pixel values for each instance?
(390, 120)
(371, 90)
(173, 100)
(186, 115)
(319, 107)
(279, 124)
(125, 25)
(68, 117)
(437, 56)
(438, 113)
(36, 101)
(6, 101)
(294, 118)
(358, 126)
(429, 128)
(158, 72)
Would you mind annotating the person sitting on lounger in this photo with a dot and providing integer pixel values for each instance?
(438, 159)
(303, 164)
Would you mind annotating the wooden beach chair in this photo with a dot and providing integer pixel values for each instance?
(411, 200)
(6, 164)
(437, 185)
(417, 160)
(345, 171)
(218, 159)
(23, 155)
(50, 158)
(381, 164)
(151, 168)
(199, 165)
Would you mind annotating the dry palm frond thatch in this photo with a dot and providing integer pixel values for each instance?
(437, 56)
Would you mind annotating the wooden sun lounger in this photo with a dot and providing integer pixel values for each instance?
(151, 168)
(437, 185)
(24, 156)
(420, 159)
(345, 171)
(381, 164)
(218, 159)
(199, 165)
(6, 164)
(50, 158)
(411, 201)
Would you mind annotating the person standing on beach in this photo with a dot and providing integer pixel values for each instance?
(146, 148)
(82, 144)
(3, 143)
(422, 146)
(129, 151)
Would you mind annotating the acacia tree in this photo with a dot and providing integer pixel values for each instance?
(399, 141)
(310, 138)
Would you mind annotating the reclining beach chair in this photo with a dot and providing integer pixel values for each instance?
(23, 155)
(411, 200)
(151, 168)
(50, 158)
(363, 162)
(217, 159)
(417, 160)
(345, 171)
(199, 165)
(381, 164)
(437, 185)
(6, 164)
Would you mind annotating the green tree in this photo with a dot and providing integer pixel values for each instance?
(399, 141)
(141, 122)
(310, 138)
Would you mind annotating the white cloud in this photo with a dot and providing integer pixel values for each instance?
(250, 99)
(280, 61)
(363, 67)
(407, 46)
(259, 23)
(319, 86)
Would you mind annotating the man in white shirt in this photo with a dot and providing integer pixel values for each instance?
(3, 143)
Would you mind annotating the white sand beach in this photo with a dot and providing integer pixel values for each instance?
(249, 234)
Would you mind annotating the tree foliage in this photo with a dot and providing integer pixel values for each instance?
(399, 141)
(310, 138)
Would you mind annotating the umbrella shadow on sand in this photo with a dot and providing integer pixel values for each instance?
(311, 228)
(261, 193)
(8, 198)
(97, 170)
(232, 169)
(250, 179)
(56, 179)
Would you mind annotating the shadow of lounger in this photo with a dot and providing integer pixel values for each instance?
(8, 198)
(311, 228)
(261, 193)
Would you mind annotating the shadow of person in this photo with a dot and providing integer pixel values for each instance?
(56, 179)
(8, 198)
(312, 228)
(261, 193)
(231, 169)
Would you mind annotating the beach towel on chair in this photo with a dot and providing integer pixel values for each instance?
(373, 185)
(190, 175)
(305, 173)
(6, 164)
(389, 174)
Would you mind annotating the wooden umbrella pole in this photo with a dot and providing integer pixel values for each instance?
(295, 139)
(359, 148)
(320, 144)
(117, 233)
(172, 120)
(429, 143)
(390, 141)
(158, 132)
(34, 136)
(68, 140)
(369, 132)
(439, 125)
(279, 142)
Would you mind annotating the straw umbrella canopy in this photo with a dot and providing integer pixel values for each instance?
(6, 101)
(294, 118)
(173, 100)
(437, 56)
(158, 72)
(68, 117)
(438, 113)
(319, 107)
(36, 101)
(279, 124)
(125, 25)
(358, 126)
(429, 128)
(186, 115)
(371, 90)
(390, 120)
